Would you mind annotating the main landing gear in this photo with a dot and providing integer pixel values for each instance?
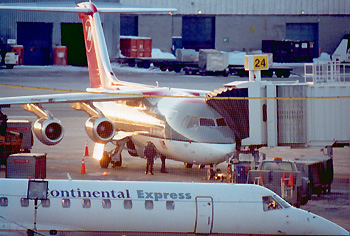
(114, 157)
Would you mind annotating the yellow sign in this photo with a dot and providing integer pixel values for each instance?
(260, 62)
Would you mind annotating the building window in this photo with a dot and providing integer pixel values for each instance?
(149, 204)
(86, 203)
(106, 203)
(4, 201)
(170, 205)
(45, 203)
(127, 204)
(24, 202)
(66, 203)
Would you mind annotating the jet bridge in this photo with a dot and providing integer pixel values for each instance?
(296, 114)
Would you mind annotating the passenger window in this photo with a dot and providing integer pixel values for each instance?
(66, 203)
(269, 203)
(149, 204)
(221, 122)
(206, 122)
(106, 203)
(127, 204)
(170, 205)
(24, 202)
(45, 203)
(193, 122)
(86, 203)
(4, 201)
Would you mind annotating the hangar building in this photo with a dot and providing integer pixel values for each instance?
(227, 25)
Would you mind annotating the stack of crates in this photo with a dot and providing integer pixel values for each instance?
(131, 46)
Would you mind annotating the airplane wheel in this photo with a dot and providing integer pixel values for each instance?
(105, 160)
(117, 163)
(188, 165)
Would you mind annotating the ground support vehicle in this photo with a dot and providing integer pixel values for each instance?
(8, 59)
(319, 170)
(278, 71)
(9, 144)
(18, 139)
(163, 64)
(284, 178)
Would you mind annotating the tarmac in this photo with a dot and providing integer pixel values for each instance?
(64, 159)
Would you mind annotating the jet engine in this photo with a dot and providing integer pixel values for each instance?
(48, 131)
(100, 129)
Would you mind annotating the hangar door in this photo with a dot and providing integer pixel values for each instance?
(37, 41)
(129, 25)
(73, 38)
(198, 32)
(303, 31)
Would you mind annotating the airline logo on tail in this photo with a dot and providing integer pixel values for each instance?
(88, 35)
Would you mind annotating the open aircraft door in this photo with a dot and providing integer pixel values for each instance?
(204, 215)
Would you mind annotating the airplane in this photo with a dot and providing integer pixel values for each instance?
(132, 207)
(179, 122)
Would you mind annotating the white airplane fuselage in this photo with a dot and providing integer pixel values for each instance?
(156, 207)
(186, 129)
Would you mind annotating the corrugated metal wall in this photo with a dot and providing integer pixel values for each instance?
(274, 7)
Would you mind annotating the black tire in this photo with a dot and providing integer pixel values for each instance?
(105, 160)
(177, 69)
(188, 165)
(279, 73)
(146, 64)
(131, 63)
(118, 163)
(286, 73)
(10, 66)
(241, 73)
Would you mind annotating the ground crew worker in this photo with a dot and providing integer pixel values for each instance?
(3, 124)
(150, 152)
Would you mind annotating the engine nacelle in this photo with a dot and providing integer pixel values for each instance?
(48, 131)
(100, 129)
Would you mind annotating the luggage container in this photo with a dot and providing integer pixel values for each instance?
(26, 166)
(319, 170)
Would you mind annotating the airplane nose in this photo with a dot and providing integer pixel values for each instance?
(316, 225)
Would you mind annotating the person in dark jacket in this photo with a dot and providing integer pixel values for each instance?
(3, 124)
(150, 152)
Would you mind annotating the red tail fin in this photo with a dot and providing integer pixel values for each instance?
(100, 71)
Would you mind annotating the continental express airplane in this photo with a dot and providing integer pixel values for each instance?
(80, 206)
(182, 126)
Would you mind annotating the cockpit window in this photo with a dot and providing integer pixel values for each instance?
(193, 122)
(270, 203)
(206, 122)
(221, 122)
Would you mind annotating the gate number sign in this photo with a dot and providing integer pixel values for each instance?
(256, 62)
(260, 62)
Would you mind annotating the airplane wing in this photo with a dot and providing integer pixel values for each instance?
(67, 98)
(72, 8)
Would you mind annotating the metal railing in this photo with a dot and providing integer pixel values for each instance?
(326, 72)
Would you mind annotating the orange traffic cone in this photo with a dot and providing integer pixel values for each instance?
(291, 181)
(284, 178)
(82, 169)
(261, 179)
(86, 153)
